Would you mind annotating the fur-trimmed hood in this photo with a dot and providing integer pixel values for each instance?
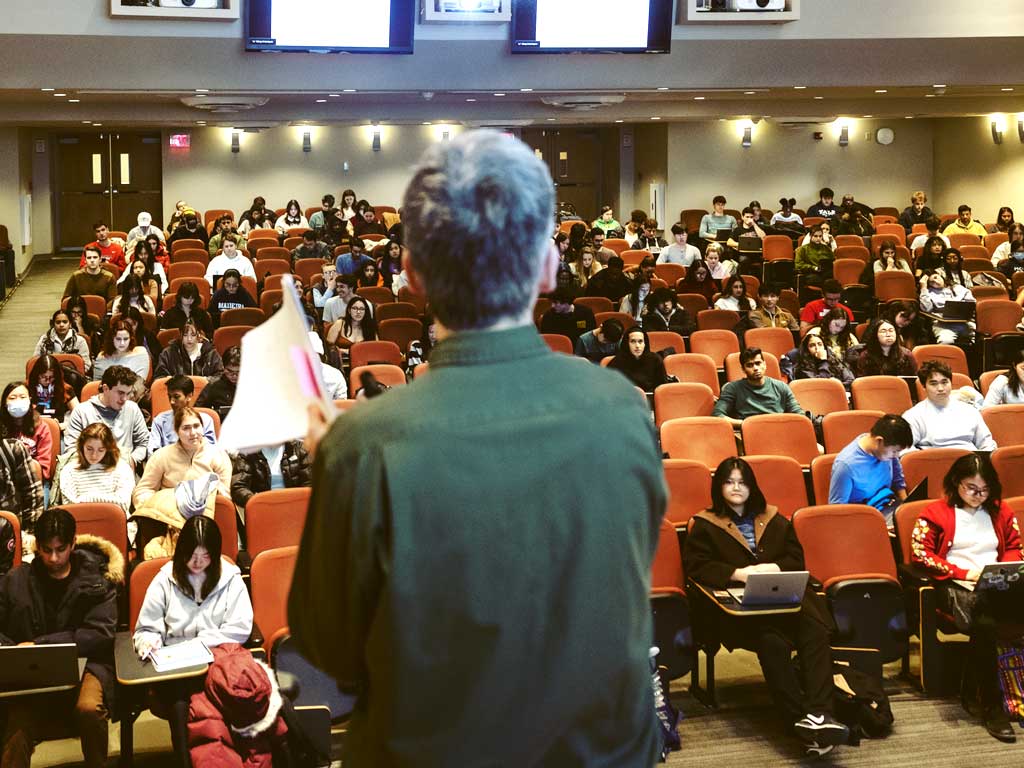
(104, 554)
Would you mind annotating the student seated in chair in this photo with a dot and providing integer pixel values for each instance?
(597, 344)
(636, 361)
(868, 470)
(180, 389)
(755, 394)
(67, 594)
(954, 539)
(770, 314)
(281, 466)
(220, 394)
(742, 534)
(947, 419)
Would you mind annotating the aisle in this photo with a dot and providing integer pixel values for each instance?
(27, 315)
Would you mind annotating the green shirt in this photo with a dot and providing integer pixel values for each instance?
(809, 256)
(740, 399)
(470, 573)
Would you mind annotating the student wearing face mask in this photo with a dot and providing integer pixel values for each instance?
(119, 348)
(18, 421)
(62, 339)
(1015, 263)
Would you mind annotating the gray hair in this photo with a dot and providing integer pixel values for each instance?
(477, 217)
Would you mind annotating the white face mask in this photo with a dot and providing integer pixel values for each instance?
(18, 408)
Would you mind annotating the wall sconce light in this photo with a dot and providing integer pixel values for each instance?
(236, 145)
(844, 136)
(376, 138)
(748, 132)
(997, 134)
(307, 141)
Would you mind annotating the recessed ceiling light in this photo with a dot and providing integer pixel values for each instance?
(321, 101)
(60, 94)
(97, 125)
(334, 95)
(868, 116)
(929, 95)
(663, 88)
(939, 85)
(908, 117)
(202, 90)
(620, 121)
(200, 122)
(799, 87)
(698, 98)
(819, 98)
(526, 90)
(881, 90)
(73, 101)
(349, 90)
(87, 122)
(47, 90)
(499, 94)
(470, 100)
(425, 122)
(749, 93)
(551, 119)
(655, 118)
(1006, 89)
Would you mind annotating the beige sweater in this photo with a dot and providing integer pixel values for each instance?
(172, 464)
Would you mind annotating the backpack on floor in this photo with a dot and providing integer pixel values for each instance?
(860, 703)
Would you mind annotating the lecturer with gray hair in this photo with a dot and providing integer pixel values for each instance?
(481, 590)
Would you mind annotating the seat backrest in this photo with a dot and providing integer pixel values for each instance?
(692, 303)
(195, 269)
(889, 394)
(90, 389)
(716, 344)
(633, 256)
(841, 541)
(667, 568)
(894, 232)
(930, 464)
(949, 354)
(102, 519)
(275, 519)
(660, 340)
(960, 239)
(228, 336)
(781, 480)
(158, 392)
(678, 400)
(906, 516)
(993, 240)
(670, 273)
(777, 247)
(558, 343)
(700, 438)
(394, 309)
(821, 476)
(720, 319)
(616, 244)
(194, 255)
(841, 427)
(1006, 422)
(268, 299)
(227, 521)
(986, 379)
(1009, 465)
(401, 330)
(734, 371)
(15, 523)
(689, 489)
(847, 271)
(142, 575)
(693, 367)
(595, 304)
(780, 434)
(391, 375)
(271, 580)
(820, 396)
(369, 352)
(776, 341)
(376, 294)
(249, 316)
(892, 285)
(852, 252)
(998, 316)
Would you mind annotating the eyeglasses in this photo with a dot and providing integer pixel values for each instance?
(974, 490)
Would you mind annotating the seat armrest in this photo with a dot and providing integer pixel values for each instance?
(914, 575)
(255, 638)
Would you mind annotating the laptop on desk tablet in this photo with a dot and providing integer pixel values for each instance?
(999, 577)
(722, 235)
(771, 589)
(959, 311)
(38, 666)
(749, 244)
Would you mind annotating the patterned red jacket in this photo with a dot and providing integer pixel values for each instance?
(934, 532)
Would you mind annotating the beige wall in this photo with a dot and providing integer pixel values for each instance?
(705, 159)
(272, 163)
(16, 174)
(970, 168)
(651, 167)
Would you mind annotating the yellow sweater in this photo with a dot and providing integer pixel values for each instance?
(955, 228)
(172, 464)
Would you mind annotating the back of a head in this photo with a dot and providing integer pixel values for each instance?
(55, 523)
(119, 375)
(612, 330)
(464, 197)
(894, 430)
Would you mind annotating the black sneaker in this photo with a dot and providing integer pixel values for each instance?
(815, 750)
(821, 730)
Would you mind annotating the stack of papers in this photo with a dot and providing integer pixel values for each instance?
(191, 653)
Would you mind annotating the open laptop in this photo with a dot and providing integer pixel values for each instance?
(749, 244)
(959, 311)
(766, 589)
(723, 234)
(25, 667)
(997, 576)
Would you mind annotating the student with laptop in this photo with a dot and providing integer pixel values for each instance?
(66, 595)
(740, 536)
(960, 538)
(951, 307)
(868, 470)
(944, 419)
(716, 221)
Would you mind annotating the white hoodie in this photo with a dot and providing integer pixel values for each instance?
(170, 616)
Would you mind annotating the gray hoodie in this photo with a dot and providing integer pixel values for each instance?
(128, 425)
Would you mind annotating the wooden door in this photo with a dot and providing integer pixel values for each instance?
(575, 159)
(106, 177)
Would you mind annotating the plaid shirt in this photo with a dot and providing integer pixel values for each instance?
(20, 491)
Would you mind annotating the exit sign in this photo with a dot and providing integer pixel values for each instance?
(180, 141)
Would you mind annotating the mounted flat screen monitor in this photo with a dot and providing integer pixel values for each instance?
(591, 26)
(330, 26)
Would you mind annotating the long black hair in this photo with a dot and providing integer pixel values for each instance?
(42, 365)
(755, 504)
(12, 427)
(968, 466)
(198, 531)
(1013, 381)
(947, 273)
(889, 364)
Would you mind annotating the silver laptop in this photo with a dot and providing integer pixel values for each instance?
(997, 576)
(764, 589)
(38, 666)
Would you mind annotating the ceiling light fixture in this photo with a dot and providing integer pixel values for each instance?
(749, 93)
(1006, 89)
(321, 101)
(202, 90)
(663, 88)
(818, 98)
(334, 95)
(620, 121)
(526, 90)
(698, 98)
(74, 101)
(799, 87)
(470, 100)
(939, 85)
(349, 90)
(47, 90)
(998, 125)
(881, 90)
(60, 94)
(655, 118)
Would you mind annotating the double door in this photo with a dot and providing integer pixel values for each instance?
(575, 158)
(107, 177)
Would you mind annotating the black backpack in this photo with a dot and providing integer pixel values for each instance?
(866, 712)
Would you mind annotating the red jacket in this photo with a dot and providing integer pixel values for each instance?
(113, 254)
(235, 721)
(934, 532)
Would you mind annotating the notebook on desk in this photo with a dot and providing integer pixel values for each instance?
(38, 666)
(768, 589)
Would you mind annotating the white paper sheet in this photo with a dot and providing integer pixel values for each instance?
(278, 379)
(191, 653)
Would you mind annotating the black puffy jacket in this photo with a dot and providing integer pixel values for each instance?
(250, 472)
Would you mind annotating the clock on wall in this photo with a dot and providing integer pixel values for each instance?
(885, 136)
